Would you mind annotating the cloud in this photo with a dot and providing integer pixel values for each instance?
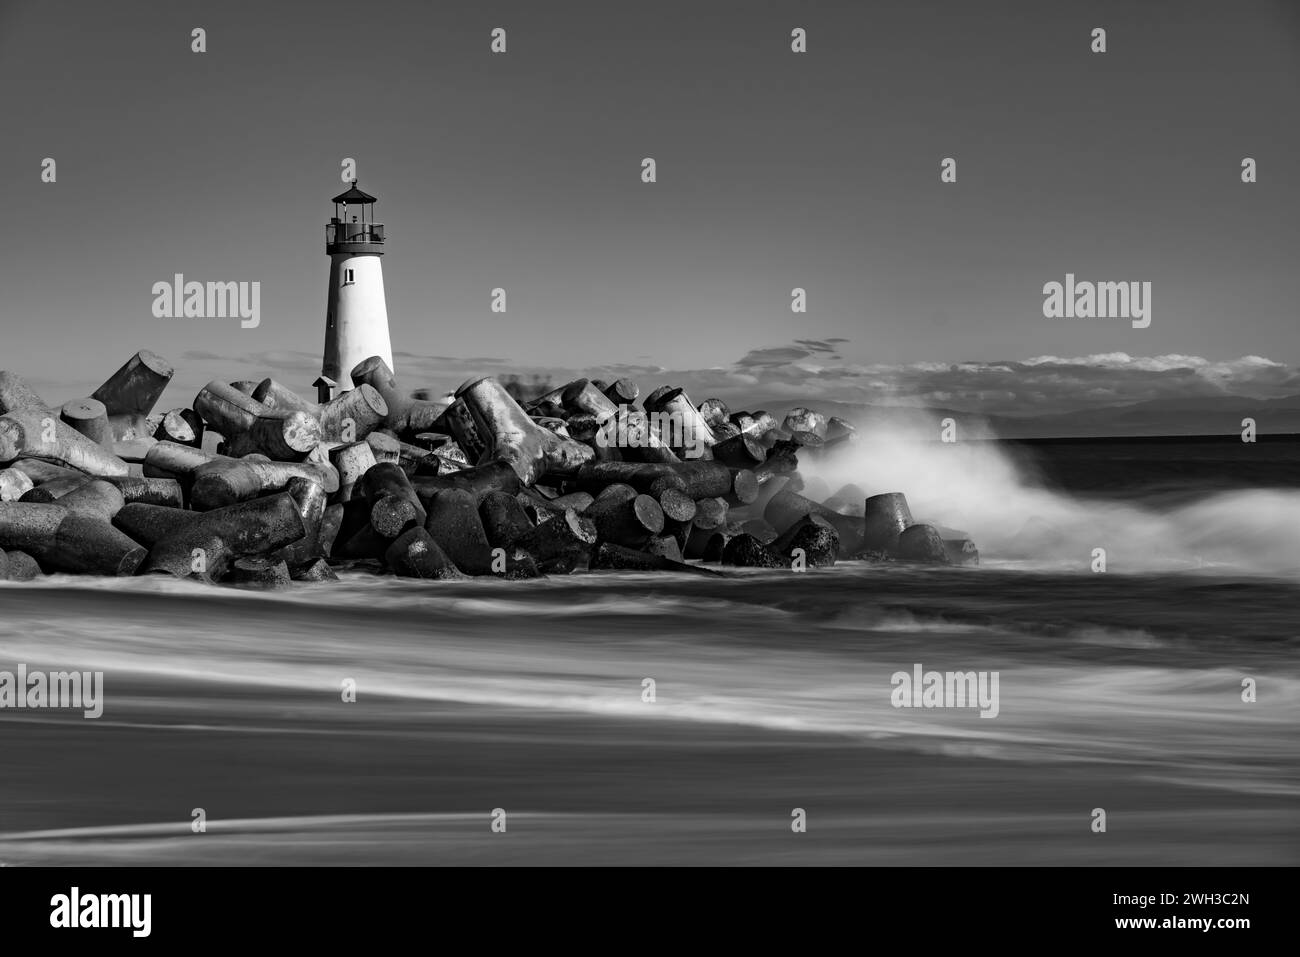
(817, 345)
(1011, 387)
(1033, 386)
(774, 357)
(200, 355)
(809, 371)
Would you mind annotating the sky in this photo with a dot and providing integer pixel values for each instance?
(775, 170)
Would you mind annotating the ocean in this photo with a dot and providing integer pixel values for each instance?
(513, 722)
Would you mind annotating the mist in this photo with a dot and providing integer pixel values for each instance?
(982, 489)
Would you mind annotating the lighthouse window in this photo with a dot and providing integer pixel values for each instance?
(347, 277)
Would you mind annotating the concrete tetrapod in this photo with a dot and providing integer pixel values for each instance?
(64, 541)
(42, 434)
(208, 545)
(135, 388)
(512, 436)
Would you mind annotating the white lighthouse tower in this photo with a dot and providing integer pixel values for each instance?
(356, 313)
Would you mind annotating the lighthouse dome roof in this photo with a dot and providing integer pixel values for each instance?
(353, 195)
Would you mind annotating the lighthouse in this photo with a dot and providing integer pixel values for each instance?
(356, 312)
